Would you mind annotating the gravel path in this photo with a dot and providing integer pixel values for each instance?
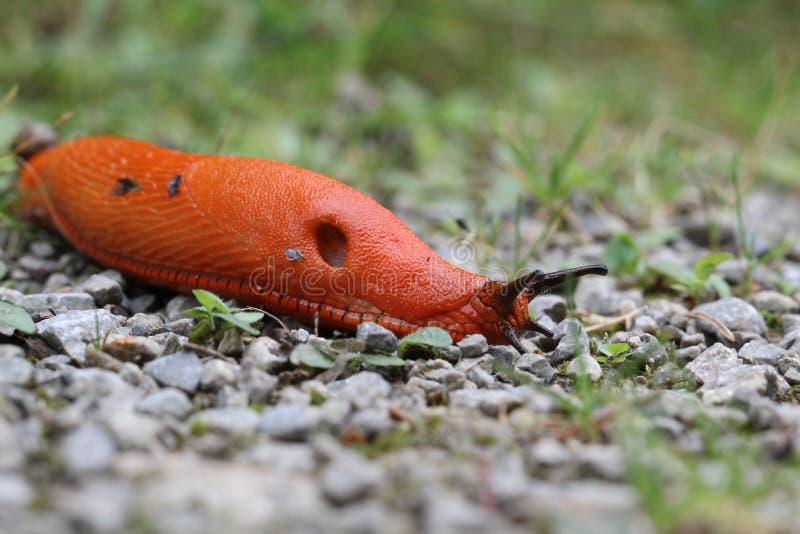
(110, 421)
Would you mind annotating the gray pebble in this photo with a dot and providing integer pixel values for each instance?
(585, 365)
(743, 383)
(71, 331)
(790, 321)
(473, 346)
(94, 383)
(88, 448)
(479, 377)
(573, 342)
(15, 491)
(15, 370)
(348, 478)
(599, 295)
(450, 379)
(733, 312)
(11, 350)
(759, 351)
(169, 341)
(57, 302)
(503, 355)
(103, 289)
(182, 327)
(231, 343)
(773, 302)
(257, 384)
(489, 401)
(689, 353)
(264, 354)
(181, 370)
(55, 282)
(229, 421)
(646, 347)
(145, 324)
(142, 303)
(451, 353)
(711, 364)
(552, 306)
(376, 338)
(289, 421)
(536, 364)
(362, 389)
(691, 340)
(666, 375)
(179, 304)
(217, 373)
(371, 421)
(166, 402)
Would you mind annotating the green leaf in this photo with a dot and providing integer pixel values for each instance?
(16, 317)
(677, 273)
(706, 265)
(718, 284)
(424, 338)
(232, 319)
(621, 253)
(249, 317)
(613, 349)
(307, 355)
(197, 313)
(209, 300)
(382, 360)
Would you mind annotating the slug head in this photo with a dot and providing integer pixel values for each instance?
(503, 306)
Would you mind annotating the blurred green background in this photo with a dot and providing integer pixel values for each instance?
(451, 104)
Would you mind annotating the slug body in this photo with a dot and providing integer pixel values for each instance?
(267, 233)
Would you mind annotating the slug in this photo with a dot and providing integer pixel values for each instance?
(266, 233)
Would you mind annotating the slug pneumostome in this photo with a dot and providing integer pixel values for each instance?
(266, 233)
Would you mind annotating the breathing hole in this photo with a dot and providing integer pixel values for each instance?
(332, 244)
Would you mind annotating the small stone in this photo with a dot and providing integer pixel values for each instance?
(362, 389)
(711, 364)
(348, 478)
(743, 383)
(573, 342)
(759, 351)
(71, 331)
(88, 448)
(15, 491)
(450, 379)
(257, 384)
(145, 324)
(646, 347)
(229, 421)
(179, 304)
(691, 340)
(600, 295)
(473, 346)
(142, 303)
(689, 353)
(57, 302)
(553, 306)
(376, 338)
(168, 401)
(792, 376)
(231, 343)
(56, 282)
(479, 377)
(585, 365)
(790, 321)
(9, 350)
(503, 355)
(289, 421)
(773, 302)
(536, 364)
(136, 349)
(666, 375)
(181, 370)
(734, 313)
(169, 341)
(103, 289)
(182, 327)
(549, 452)
(94, 383)
(264, 354)
(489, 401)
(646, 324)
(370, 421)
(451, 353)
(217, 373)
(601, 461)
(15, 369)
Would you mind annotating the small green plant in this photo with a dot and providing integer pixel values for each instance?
(423, 342)
(613, 353)
(701, 280)
(16, 317)
(214, 316)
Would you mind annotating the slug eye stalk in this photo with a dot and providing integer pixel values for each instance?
(507, 306)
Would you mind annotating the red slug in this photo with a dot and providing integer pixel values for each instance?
(266, 233)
